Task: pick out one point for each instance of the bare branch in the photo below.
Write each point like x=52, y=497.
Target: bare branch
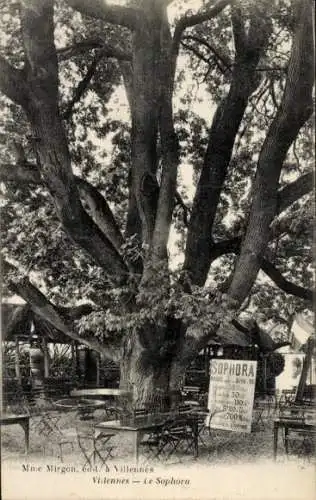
x=114, y=14
x=12, y=82
x=169, y=150
x=50, y=141
x=186, y=210
x=233, y=246
x=105, y=52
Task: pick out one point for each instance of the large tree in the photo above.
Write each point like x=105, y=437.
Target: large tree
x=115, y=228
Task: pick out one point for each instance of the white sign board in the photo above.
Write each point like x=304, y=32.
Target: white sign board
x=231, y=394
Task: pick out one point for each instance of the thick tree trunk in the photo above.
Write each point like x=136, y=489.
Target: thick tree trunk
x=152, y=375
x=145, y=112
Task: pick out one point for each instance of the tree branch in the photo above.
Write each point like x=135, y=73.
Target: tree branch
x=169, y=149
x=50, y=141
x=294, y=190
x=187, y=21
x=105, y=52
x=233, y=245
x=239, y=32
x=295, y=108
x=100, y=212
x=225, y=125
x=48, y=312
x=98, y=206
x=191, y=20
x=114, y=14
x=94, y=43
x=276, y=276
x=20, y=173
x=219, y=55
x=195, y=52
x=82, y=86
x=12, y=82
x=186, y=210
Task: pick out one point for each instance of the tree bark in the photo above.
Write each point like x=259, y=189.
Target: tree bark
x=41, y=69
x=145, y=112
x=169, y=148
x=124, y=16
x=152, y=376
x=223, y=132
x=295, y=109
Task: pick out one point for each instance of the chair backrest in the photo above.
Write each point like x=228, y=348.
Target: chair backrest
x=183, y=408
x=178, y=425
x=140, y=412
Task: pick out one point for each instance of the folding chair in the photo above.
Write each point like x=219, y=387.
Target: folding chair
x=55, y=437
x=258, y=416
x=177, y=433
x=202, y=428
x=94, y=446
x=152, y=444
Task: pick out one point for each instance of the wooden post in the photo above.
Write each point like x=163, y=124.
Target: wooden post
x=17, y=360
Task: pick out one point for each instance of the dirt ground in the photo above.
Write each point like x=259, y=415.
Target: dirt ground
x=220, y=451
x=217, y=446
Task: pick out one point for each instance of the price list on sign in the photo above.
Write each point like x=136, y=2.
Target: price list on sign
x=231, y=394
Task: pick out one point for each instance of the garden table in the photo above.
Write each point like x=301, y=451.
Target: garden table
x=98, y=392
x=84, y=407
x=23, y=421
x=290, y=424
x=137, y=427
x=104, y=393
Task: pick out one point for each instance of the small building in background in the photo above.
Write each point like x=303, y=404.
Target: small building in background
x=300, y=367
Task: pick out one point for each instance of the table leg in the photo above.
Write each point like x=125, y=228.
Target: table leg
x=26, y=427
x=196, y=438
x=136, y=441
x=286, y=439
x=275, y=439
